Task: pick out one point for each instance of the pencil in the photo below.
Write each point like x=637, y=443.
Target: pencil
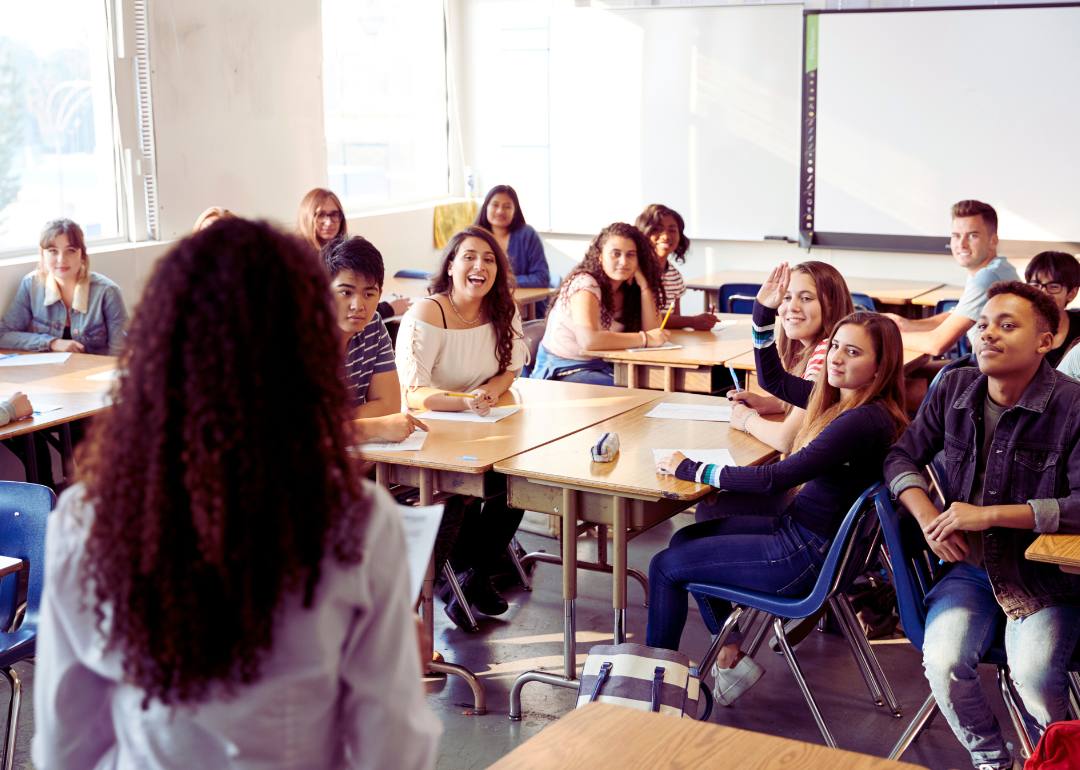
x=459, y=395
x=735, y=379
x=668, y=315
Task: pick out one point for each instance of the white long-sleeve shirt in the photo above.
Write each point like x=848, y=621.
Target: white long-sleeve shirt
x=339, y=689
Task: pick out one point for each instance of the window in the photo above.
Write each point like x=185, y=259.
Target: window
x=57, y=150
x=384, y=89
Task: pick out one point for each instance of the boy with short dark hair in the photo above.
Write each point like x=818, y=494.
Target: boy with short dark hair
x=1009, y=431
x=356, y=273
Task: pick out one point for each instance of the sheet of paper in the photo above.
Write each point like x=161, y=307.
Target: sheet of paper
x=421, y=526
x=665, y=346
x=497, y=413
x=33, y=359
x=668, y=411
x=725, y=324
x=714, y=456
x=411, y=444
x=112, y=374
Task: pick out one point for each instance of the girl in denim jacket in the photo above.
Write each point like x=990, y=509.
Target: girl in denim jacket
x=62, y=306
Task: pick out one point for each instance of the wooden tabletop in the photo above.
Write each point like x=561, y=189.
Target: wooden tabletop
x=913, y=359
x=549, y=410
x=931, y=298
x=1062, y=550
x=599, y=736
x=64, y=385
x=567, y=461
x=418, y=287
x=889, y=291
x=698, y=348
x=9, y=565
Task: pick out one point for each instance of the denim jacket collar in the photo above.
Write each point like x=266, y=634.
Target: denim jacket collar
x=1035, y=399
x=79, y=304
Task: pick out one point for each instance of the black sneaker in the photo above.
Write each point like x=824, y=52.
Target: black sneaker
x=457, y=614
x=483, y=596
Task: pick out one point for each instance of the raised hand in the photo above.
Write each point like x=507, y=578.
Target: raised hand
x=772, y=292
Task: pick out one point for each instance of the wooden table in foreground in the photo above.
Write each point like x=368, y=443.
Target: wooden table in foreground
x=549, y=410
x=63, y=385
x=696, y=367
x=627, y=495
x=887, y=291
x=599, y=736
x=1062, y=550
x=417, y=287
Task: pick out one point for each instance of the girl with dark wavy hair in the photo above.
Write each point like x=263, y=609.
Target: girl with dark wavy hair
x=613, y=300
x=466, y=338
x=501, y=214
x=220, y=590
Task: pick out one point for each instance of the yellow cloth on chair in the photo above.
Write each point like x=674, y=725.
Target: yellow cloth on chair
x=451, y=218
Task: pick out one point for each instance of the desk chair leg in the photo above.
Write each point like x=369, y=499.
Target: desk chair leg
x=13, y=715
x=31, y=458
x=921, y=720
x=512, y=549
x=778, y=629
x=1013, y=708
x=1074, y=694
x=759, y=637
x=455, y=588
x=601, y=544
x=618, y=594
x=67, y=454
x=864, y=654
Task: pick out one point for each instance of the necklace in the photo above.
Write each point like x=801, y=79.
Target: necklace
x=450, y=296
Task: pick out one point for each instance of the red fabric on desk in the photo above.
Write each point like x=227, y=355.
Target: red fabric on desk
x=1059, y=748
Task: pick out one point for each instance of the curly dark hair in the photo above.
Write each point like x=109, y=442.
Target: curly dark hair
x=498, y=303
x=516, y=222
x=210, y=508
x=592, y=265
x=1046, y=313
x=649, y=219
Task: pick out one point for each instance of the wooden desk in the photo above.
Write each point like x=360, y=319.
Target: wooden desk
x=697, y=367
x=9, y=565
x=913, y=359
x=418, y=287
x=627, y=495
x=63, y=385
x=599, y=736
x=1062, y=550
x=931, y=298
x=549, y=410
x=888, y=291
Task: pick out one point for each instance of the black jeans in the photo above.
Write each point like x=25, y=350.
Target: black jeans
x=475, y=534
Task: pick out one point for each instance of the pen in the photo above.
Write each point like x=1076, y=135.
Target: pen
x=468, y=457
x=734, y=378
x=9, y=355
x=668, y=315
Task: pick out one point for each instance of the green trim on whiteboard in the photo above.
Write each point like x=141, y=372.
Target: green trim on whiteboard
x=811, y=42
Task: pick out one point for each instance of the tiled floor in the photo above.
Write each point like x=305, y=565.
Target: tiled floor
x=529, y=636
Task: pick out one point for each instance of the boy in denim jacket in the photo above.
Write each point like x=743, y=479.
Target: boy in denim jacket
x=1008, y=435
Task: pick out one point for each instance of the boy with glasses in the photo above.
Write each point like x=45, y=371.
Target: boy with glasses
x=1058, y=274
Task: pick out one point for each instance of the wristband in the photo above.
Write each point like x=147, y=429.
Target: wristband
x=644, y=339
x=744, y=419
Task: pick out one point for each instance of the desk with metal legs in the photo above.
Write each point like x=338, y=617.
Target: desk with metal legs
x=627, y=495
x=549, y=410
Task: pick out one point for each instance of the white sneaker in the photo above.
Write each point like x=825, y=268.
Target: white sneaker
x=1016, y=765
x=730, y=683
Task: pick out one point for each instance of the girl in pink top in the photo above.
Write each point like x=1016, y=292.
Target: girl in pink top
x=613, y=300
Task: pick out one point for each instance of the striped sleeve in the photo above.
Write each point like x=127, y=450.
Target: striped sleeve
x=764, y=326
x=817, y=360
x=674, y=285
x=377, y=341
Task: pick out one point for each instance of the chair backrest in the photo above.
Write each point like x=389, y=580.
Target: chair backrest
x=863, y=302
x=554, y=280
x=913, y=564
x=534, y=332
x=850, y=549
x=413, y=274
x=965, y=360
x=963, y=345
x=24, y=515
x=738, y=297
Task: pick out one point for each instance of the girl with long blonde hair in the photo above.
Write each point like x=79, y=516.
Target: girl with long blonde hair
x=853, y=415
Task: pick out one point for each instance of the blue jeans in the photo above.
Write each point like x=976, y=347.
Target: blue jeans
x=963, y=619
x=549, y=366
x=733, y=551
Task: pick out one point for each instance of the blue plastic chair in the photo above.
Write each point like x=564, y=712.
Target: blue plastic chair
x=424, y=274
x=848, y=554
x=534, y=333
x=863, y=302
x=963, y=345
x=24, y=514
x=914, y=569
x=738, y=297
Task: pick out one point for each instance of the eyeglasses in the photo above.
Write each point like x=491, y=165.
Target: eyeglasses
x=1050, y=288
x=333, y=216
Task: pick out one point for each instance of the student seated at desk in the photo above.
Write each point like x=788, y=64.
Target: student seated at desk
x=613, y=300
x=810, y=300
x=15, y=407
x=355, y=268
x=1058, y=274
x=1010, y=430
x=62, y=306
x=501, y=214
x=221, y=590
x=853, y=416
x=466, y=338
x=664, y=227
x=321, y=218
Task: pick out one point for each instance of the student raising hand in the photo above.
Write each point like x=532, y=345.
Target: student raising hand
x=772, y=292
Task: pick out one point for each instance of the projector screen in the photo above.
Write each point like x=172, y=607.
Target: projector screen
x=916, y=110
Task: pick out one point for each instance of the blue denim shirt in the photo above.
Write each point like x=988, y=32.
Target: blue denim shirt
x=1033, y=460
x=30, y=324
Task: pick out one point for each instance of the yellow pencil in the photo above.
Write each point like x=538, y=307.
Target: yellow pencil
x=460, y=395
x=668, y=315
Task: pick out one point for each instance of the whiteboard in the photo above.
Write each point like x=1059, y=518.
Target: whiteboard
x=920, y=109
x=696, y=108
